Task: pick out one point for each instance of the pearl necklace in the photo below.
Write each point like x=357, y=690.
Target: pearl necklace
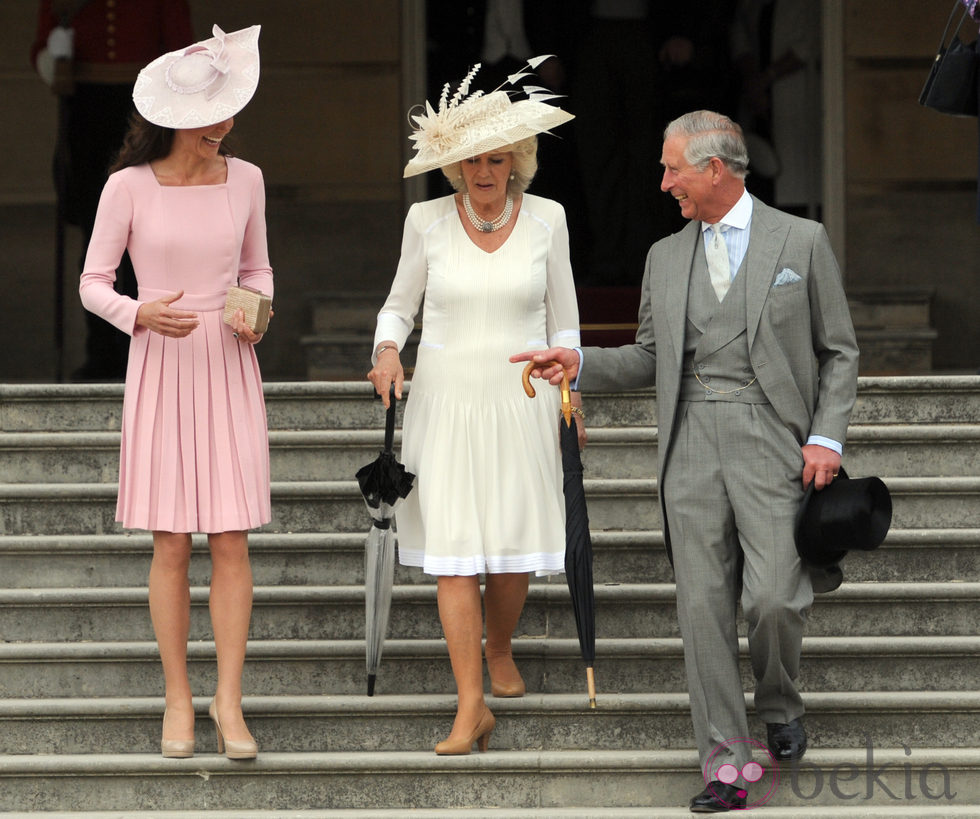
x=486, y=225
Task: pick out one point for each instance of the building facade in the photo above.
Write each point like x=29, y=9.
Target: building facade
x=328, y=126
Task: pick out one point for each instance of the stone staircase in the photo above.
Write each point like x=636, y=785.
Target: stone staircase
x=891, y=669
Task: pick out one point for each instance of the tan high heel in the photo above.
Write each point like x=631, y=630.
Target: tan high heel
x=505, y=679
x=232, y=748
x=481, y=736
x=176, y=748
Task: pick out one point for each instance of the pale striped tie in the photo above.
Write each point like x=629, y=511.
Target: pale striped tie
x=719, y=268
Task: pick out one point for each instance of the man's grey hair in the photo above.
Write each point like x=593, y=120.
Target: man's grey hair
x=710, y=134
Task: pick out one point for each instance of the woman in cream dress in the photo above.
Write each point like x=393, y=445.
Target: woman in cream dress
x=493, y=267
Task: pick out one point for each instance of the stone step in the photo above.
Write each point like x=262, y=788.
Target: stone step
x=923, y=399
x=297, y=506
x=278, y=559
x=42, y=407
x=552, y=722
x=628, y=452
x=867, y=688
x=93, y=457
x=314, y=558
x=322, y=405
x=843, y=810
x=112, y=560
x=511, y=779
x=337, y=612
x=627, y=666
x=919, y=555
x=302, y=405
x=908, y=450
x=889, y=350
x=933, y=502
x=337, y=506
x=98, y=407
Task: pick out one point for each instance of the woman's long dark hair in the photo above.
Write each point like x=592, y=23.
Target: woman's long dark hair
x=145, y=142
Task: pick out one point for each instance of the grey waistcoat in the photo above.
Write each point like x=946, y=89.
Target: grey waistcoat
x=716, y=342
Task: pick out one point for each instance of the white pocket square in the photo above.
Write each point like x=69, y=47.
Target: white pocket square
x=786, y=276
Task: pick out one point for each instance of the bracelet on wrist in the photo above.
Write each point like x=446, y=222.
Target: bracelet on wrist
x=580, y=412
x=384, y=347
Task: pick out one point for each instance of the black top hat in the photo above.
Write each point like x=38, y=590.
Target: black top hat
x=847, y=514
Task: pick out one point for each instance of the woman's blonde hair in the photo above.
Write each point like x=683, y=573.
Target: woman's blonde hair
x=524, y=155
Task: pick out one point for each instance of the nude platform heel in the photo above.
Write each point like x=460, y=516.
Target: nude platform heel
x=232, y=748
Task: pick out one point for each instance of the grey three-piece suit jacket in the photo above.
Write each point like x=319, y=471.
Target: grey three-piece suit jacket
x=800, y=336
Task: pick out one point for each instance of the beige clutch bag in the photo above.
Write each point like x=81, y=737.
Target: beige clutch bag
x=254, y=303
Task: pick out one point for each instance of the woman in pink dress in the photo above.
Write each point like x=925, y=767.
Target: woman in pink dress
x=195, y=454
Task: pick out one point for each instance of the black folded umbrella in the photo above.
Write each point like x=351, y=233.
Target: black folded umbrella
x=578, y=541
x=384, y=482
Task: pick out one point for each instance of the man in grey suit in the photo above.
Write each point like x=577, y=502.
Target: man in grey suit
x=745, y=330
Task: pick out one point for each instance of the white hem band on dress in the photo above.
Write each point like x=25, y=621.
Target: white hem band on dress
x=541, y=563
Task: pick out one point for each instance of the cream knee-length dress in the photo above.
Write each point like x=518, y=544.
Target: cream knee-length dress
x=488, y=488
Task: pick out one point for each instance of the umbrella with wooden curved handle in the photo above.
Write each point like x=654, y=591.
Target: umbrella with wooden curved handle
x=566, y=393
x=578, y=541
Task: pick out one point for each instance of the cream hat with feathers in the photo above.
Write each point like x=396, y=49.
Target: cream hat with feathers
x=468, y=125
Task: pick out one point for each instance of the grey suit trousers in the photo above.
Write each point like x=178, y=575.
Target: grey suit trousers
x=732, y=487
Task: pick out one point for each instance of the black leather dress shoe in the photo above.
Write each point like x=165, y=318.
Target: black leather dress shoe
x=786, y=741
x=717, y=798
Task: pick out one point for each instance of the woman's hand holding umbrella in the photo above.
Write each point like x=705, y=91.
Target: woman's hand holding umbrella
x=387, y=372
x=384, y=482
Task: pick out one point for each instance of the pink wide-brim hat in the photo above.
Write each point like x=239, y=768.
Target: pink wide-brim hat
x=203, y=84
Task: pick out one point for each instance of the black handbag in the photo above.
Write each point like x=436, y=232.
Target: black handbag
x=951, y=87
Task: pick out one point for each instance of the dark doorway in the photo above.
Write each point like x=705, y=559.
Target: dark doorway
x=626, y=68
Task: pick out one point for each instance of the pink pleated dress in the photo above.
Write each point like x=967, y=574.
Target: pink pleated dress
x=195, y=441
